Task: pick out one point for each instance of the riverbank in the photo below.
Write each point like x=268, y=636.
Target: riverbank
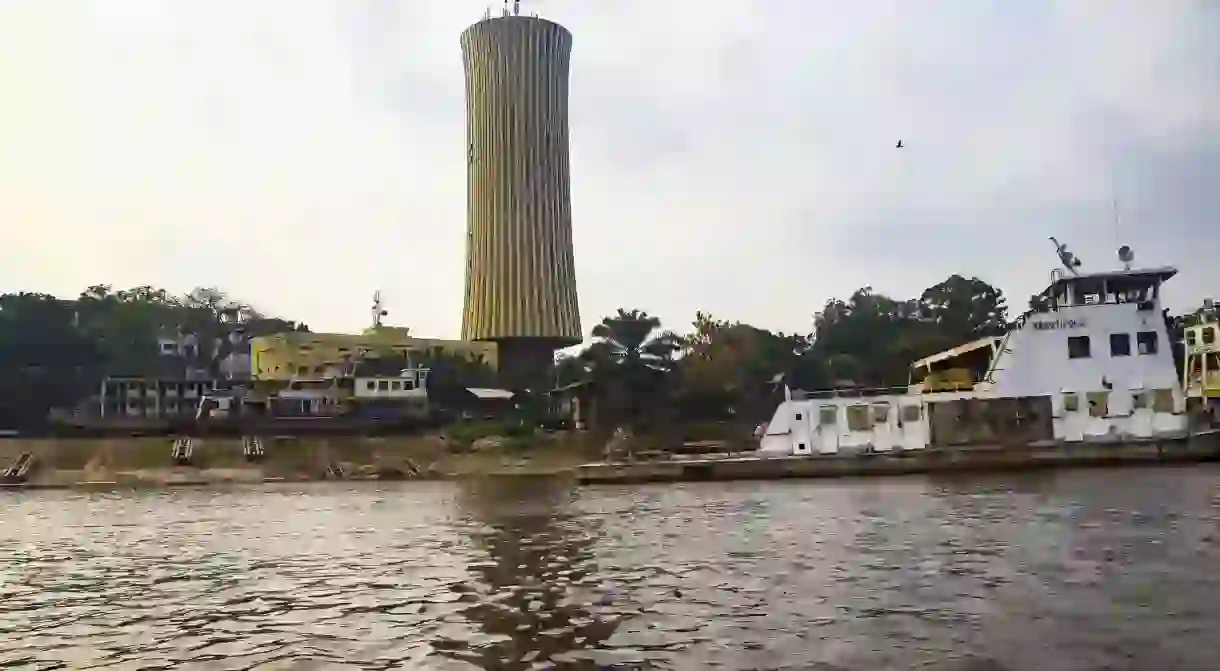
x=148, y=462
x=1197, y=448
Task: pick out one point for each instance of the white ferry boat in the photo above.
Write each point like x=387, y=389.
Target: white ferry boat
x=1092, y=362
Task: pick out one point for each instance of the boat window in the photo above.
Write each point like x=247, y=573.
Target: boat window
x=1209, y=335
x=383, y=385
x=394, y=386
x=910, y=413
x=881, y=413
x=1146, y=342
x=370, y=385
x=858, y=418
x=1078, y=347
x=1071, y=402
x=798, y=416
x=1120, y=344
x=828, y=415
x=1190, y=337
x=1089, y=292
x=1139, y=400
x=1162, y=400
x=408, y=385
x=1099, y=403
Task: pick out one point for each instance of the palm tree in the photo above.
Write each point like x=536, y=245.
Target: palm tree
x=631, y=361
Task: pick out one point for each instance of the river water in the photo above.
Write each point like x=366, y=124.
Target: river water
x=1083, y=570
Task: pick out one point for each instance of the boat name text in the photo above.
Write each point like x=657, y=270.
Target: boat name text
x=1059, y=324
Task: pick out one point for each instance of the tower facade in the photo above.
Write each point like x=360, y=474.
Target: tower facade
x=520, y=271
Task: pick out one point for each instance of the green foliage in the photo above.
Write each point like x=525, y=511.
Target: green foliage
x=631, y=362
x=463, y=434
x=54, y=352
x=451, y=370
x=723, y=369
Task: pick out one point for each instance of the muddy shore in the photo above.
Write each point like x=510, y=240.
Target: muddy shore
x=148, y=462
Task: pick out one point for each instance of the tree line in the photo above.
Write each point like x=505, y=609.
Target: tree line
x=642, y=373
x=54, y=352
x=722, y=369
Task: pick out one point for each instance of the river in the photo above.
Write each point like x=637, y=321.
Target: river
x=1077, y=570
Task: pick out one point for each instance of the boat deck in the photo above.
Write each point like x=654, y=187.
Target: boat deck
x=1198, y=447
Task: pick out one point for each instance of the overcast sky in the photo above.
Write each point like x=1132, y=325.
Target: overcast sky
x=733, y=157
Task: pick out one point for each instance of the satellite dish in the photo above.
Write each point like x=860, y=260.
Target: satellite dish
x=1126, y=256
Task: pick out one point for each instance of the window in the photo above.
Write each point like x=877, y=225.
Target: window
x=1190, y=338
x=383, y=385
x=1146, y=342
x=1209, y=335
x=408, y=384
x=395, y=385
x=858, y=418
x=827, y=415
x=1120, y=344
x=370, y=385
x=798, y=416
x=1078, y=347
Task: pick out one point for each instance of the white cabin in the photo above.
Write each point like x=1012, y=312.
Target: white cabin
x=1092, y=362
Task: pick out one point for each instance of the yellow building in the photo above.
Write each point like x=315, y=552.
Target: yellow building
x=284, y=357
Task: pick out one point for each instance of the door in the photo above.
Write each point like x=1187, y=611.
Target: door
x=884, y=434
x=802, y=437
x=1141, y=414
x=1072, y=415
x=828, y=431
x=913, y=435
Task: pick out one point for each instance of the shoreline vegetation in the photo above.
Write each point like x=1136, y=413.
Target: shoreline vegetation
x=660, y=388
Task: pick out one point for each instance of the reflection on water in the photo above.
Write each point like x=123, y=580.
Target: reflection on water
x=531, y=598
x=1085, y=570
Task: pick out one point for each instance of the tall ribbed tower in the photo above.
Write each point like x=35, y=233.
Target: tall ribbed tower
x=520, y=272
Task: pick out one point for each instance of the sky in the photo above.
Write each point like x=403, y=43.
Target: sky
x=736, y=157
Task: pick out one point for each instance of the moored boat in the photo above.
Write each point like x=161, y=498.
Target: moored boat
x=1090, y=364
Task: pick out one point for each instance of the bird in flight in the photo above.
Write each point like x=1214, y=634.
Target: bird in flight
x=899, y=145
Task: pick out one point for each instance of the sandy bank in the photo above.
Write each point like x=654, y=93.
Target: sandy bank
x=216, y=461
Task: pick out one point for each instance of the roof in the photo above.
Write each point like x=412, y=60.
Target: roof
x=491, y=394
x=1160, y=274
x=989, y=341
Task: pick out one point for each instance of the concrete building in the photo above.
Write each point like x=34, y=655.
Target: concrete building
x=293, y=356
x=520, y=273
x=149, y=398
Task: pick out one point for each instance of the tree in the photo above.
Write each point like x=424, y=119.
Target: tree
x=736, y=364
x=631, y=362
x=46, y=361
x=965, y=309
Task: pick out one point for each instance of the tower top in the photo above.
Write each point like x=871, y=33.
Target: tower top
x=505, y=11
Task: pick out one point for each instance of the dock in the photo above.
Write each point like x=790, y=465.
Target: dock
x=1187, y=449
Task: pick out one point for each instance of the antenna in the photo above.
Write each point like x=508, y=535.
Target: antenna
x=1068, y=259
x=378, y=311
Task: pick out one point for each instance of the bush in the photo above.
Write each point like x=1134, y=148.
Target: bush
x=464, y=433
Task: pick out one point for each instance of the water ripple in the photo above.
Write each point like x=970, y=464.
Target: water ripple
x=1089, y=570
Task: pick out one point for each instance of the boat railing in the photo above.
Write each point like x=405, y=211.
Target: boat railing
x=849, y=392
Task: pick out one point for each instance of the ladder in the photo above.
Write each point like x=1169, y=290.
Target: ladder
x=1003, y=348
